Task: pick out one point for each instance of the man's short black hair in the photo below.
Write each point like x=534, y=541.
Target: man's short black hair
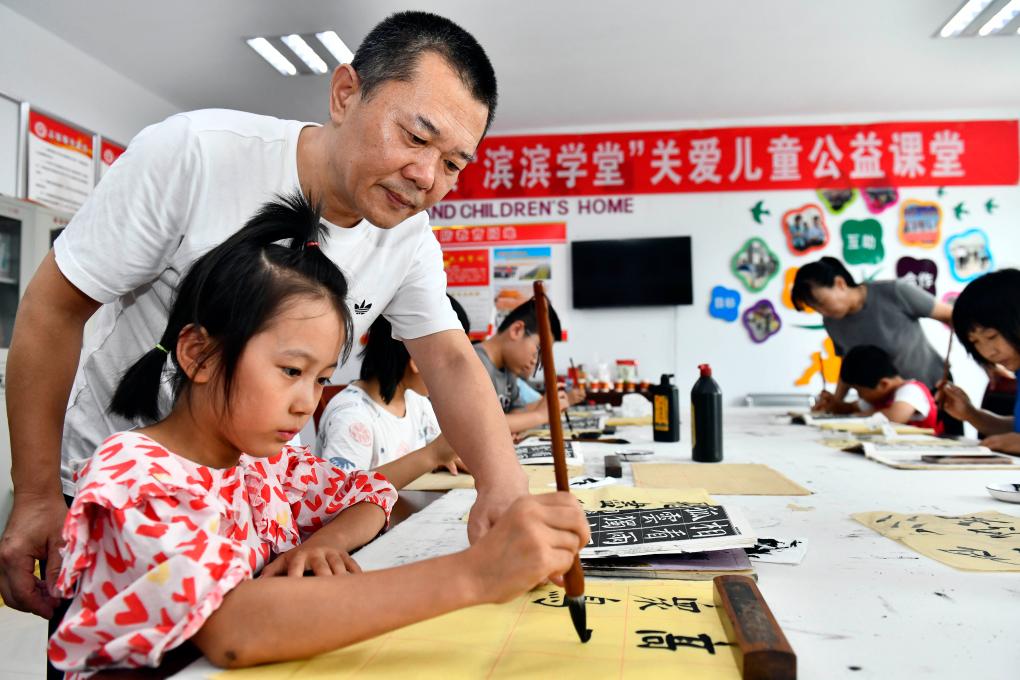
x=392, y=49
x=527, y=313
x=991, y=301
x=866, y=365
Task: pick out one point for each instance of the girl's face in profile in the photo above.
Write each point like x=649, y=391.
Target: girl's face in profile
x=994, y=347
x=280, y=375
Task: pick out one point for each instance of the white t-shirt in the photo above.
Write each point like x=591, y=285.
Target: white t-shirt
x=183, y=186
x=356, y=433
x=912, y=394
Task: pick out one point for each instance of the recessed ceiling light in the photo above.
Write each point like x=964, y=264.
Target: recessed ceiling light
x=272, y=55
x=1001, y=18
x=305, y=53
x=959, y=22
x=332, y=42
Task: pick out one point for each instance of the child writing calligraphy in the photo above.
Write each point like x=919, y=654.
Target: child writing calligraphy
x=384, y=420
x=172, y=521
x=986, y=319
x=870, y=371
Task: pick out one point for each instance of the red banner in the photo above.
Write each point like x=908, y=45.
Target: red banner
x=467, y=267
x=898, y=154
x=109, y=152
x=59, y=134
x=500, y=234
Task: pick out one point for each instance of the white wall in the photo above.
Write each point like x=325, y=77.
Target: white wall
x=677, y=339
x=38, y=67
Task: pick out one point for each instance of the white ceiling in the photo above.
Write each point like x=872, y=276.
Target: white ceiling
x=576, y=63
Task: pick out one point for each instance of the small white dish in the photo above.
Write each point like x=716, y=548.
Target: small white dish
x=635, y=454
x=1005, y=492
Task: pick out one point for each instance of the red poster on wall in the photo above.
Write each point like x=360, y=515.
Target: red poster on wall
x=500, y=234
x=466, y=267
x=61, y=172
x=980, y=152
x=108, y=153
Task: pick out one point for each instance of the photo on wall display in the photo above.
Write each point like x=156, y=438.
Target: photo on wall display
x=513, y=272
x=761, y=321
x=969, y=255
x=837, y=200
x=877, y=199
x=805, y=229
x=920, y=223
x=755, y=264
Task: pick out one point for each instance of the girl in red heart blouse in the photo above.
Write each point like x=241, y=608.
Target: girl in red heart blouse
x=172, y=521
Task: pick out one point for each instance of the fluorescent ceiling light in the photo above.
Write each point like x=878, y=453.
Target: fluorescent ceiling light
x=304, y=51
x=963, y=17
x=1001, y=18
x=272, y=55
x=332, y=42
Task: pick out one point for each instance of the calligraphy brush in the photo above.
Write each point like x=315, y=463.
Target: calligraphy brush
x=945, y=368
x=574, y=578
x=821, y=372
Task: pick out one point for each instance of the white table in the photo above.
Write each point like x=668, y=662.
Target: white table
x=859, y=605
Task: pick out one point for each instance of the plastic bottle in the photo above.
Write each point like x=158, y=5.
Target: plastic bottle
x=706, y=418
x=665, y=411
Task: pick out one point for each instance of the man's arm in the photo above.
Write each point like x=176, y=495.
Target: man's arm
x=472, y=420
x=40, y=370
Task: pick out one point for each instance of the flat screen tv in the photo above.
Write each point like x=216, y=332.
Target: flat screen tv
x=632, y=272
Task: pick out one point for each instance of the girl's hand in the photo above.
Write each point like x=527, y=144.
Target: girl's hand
x=321, y=560
x=1004, y=443
x=534, y=541
x=953, y=400
x=443, y=456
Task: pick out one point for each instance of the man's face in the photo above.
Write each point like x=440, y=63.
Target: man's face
x=400, y=151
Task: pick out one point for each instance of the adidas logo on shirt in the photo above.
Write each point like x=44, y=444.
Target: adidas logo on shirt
x=362, y=307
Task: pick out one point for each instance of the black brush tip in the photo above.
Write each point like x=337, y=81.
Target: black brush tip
x=579, y=616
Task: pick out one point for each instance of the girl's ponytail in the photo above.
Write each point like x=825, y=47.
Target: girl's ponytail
x=233, y=291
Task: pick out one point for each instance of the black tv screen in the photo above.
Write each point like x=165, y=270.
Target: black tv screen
x=632, y=272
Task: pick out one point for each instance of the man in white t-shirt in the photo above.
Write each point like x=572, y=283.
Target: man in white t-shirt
x=406, y=116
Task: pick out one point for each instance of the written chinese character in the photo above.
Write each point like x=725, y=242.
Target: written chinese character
x=686, y=604
x=744, y=164
x=499, y=169
x=665, y=161
x=946, y=147
x=555, y=599
x=866, y=155
x=660, y=639
x=607, y=158
x=908, y=154
x=569, y=161
x=536, y=166
x=826, y=156
x=785, y=152
x=705, y=156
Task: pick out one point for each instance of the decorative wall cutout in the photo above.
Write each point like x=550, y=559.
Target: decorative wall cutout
x=969, y=255
x=755, y=264
x=877, y=199
x=757, y=210
x=761, y=321
x=837, y=200
x=920, y=223
x=862, y=242
x=922, y=273
x=787, y=298
x=829, y=362
x=724, y=304
x=804, y=229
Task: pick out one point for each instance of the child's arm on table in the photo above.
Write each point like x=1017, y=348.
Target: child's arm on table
x=406, y=469
x=327, y=551
x=536, y=539
x=534, y=415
